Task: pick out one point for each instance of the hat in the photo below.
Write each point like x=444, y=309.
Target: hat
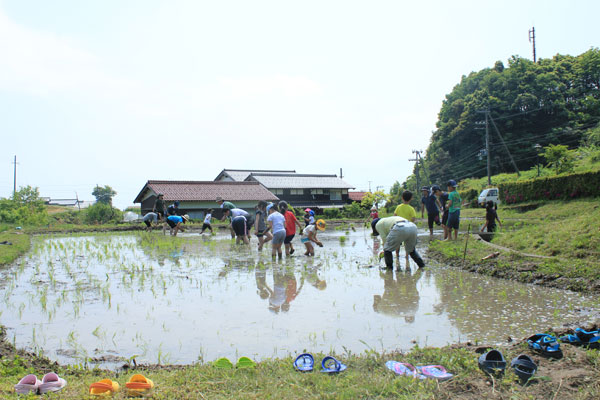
x=307, y=210
x=452, y=183
x=219, y=198
x=435, y=188
x=425, y=188
x=186, y=217
x=160, y=194
x=373, y=208
x=321, y=225
x=312, y=213
x=269, y=206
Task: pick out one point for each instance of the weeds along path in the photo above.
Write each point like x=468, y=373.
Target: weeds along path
x=498, y=247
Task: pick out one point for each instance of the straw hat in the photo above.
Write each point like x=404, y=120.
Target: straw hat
x=186, y=217
x=321, y=225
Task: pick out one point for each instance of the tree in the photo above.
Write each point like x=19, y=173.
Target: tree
x=27, y=195
x=374, y=199
x=559, y=158
x=104, y=194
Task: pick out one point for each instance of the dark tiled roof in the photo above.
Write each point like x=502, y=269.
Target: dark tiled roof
x=207, y=191
x=239, y=175
x=299, y=181
x=356, y=196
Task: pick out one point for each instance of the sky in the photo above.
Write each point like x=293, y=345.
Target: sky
x=120, y=92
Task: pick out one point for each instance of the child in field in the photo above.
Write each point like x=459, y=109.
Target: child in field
x=206, y=224
x=491, y=216
x=374, y=214
x=310, y=236
x=431, y=203
x=442, y=199
x=241, y=223
x=260, y=226
x=290, y=227
x=277, y=226
x=309, y=217
x=149, y=219
x=406, y=211
x=454, y=203
x=176, y=223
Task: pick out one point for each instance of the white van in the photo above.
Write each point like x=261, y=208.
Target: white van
x=487, y=195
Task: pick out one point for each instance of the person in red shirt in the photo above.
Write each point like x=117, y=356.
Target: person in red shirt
x=290, y=227
x=374, y=213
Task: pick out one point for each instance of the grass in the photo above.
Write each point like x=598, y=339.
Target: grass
x=566, y=231
x=9, y=253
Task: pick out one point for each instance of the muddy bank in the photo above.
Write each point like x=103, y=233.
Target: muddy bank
x=509, y=266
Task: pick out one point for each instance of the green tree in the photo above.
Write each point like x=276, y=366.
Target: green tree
x=559, y=158
x=104, y=194
x=374, y=199
x=102, y=213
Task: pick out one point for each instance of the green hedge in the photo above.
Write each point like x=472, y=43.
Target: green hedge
x=551, y=188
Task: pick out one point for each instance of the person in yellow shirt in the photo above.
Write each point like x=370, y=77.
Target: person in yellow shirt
x=406, y=211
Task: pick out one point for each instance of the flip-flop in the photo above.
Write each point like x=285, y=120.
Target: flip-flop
x=435, y=372
x=51, y=383
x=105, y=387
x=304, y=362
x=404, y=369
x=28, y=384
x=545, y=344
x=330, y=365
x=583, y=337
x=245, y=362
x=139, y=386
x=223, y=363
x=492, y=362
x=523, y=366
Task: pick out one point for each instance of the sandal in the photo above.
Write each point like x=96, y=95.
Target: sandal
x=331, y=365
x=404, y=369
x=492, y=362
x=304, y=362
x=523, y=366
x=105, y=387
x=545, y=344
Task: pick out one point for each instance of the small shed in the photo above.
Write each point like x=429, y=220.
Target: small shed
x=196, y=197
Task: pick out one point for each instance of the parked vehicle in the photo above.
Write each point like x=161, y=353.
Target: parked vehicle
x=487, y=195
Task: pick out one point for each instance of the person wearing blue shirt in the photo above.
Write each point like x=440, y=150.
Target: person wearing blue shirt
x=176, y=222
x=431, y=203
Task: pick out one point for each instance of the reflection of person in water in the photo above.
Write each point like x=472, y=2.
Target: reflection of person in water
x=285, y=290
x=263, y=290
x=291, y=290
x=312, y=275
x=400, y=296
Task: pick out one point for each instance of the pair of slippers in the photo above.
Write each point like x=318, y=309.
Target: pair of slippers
x=581, y=337
x=493, y=363
x=51, y=382
x=545, y=344
x=306, y=362
x=243, y=362
x=419, y=372
x=137, y=386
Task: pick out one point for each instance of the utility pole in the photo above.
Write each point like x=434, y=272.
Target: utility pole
x=15, y=178
x=487, y=145
x=416, y=153
x=532, y=40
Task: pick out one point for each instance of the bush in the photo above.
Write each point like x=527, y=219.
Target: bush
x=551, y=188
x=102, y=213
x=354, y=210
x=331, y=213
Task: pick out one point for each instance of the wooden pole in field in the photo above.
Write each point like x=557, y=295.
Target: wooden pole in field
x=467, y=242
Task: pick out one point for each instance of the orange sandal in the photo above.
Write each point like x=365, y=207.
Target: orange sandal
x=139, y=386
x=105, y=387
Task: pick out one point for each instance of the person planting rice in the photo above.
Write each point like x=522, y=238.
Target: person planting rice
x=491, y=216
x=176, y=223
x=241, y=223
x=310, y=236
x=406, y=211
x=277, y=226
x=394, y=231
x=260, y=226
x=150, y=219
x=226, y=205
x=290, y=227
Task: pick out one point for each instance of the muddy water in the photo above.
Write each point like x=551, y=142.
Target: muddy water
x=192, y=298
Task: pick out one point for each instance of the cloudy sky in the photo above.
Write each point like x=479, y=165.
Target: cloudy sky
x=116, y=92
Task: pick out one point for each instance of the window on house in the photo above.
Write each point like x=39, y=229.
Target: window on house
x=316, y=191
x=344, y=191
x=277, y=192
x=297, y=192
x=335, y=194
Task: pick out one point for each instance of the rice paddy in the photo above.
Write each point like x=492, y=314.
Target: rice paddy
x=106, y=299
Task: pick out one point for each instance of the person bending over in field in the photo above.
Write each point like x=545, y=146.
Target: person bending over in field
x=176, y=223
x=150, y=219
x=309, y=236
x=241, y=223
x=394, y=231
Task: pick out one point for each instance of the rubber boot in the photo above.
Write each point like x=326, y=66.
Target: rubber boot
x=416, y=258
x=389, y=259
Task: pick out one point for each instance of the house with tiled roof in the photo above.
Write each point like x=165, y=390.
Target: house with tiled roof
x=356, y=196
x=316, y=191
x=240, y=175
x=196, y=197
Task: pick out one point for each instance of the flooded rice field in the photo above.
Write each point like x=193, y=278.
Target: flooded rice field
x=100, y=299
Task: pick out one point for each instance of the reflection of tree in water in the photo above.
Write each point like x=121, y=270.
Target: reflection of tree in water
x=400, y=296
x=480, y=307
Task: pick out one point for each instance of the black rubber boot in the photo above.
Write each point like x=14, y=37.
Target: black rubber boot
x=389, y=259
x=416, y=258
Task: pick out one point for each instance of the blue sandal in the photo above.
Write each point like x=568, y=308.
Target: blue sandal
x=331, y=365
x=304, y=362
x=545, y=344
x=583, y=338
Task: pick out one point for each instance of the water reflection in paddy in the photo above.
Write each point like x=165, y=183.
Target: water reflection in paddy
x=190, y=298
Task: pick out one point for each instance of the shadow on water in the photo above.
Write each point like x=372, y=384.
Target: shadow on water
x=160, y=299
